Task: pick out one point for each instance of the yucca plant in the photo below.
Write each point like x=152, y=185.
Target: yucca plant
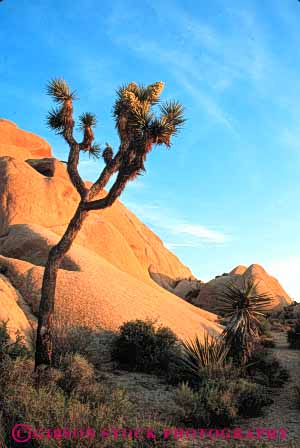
x=242, y=306
x=139, y=129
x=206, y=357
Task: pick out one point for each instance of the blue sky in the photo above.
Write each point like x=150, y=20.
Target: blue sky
x=228, y=191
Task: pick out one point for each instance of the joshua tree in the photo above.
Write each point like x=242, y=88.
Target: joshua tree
x=242, y=307
x=139, y=130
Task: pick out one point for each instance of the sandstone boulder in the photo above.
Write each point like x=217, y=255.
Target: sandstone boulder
x=105, y=297
x=49, y=167
x=14, y=311
x=21, y=144
x=209, y=295
x=28, y=197
x=186, y=288
x=115, y=233
x=107, y=276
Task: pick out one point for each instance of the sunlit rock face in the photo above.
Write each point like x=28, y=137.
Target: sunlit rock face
x=117, y=265
x=21, y=144
x=209, y=294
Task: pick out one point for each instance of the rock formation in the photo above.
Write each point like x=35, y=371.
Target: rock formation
x=107, y=276
x=209, y=294
x=21, y=144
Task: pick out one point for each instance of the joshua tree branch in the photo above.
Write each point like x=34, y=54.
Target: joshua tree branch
x=72, y=168
x=110, y=169
x=112, y=195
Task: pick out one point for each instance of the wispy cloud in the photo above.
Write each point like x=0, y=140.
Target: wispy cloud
x=201, y=232
x=178, y=231
x=206, y=60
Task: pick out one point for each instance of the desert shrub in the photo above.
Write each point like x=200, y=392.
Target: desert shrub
x=267, y=342
x=13, y=349
x=66, y=396
x=141, y=347
x=92, y=405
x=265, y=327
x=279, y=326
x=47, y=405
x=94, y=345
x=219, y=402
x=251, y=398
x=265, y=369
x=77, y=373
x=212, y=405
x=293, y=335
x=266, y=339
x=178, y=373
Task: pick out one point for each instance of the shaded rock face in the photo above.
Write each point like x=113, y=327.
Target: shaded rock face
x=208, y=297
x=49, y=167
x=107, y=276
x=15, y=311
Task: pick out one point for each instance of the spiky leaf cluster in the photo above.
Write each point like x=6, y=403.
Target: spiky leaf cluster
x=136, y=121
x=172, y=115
x=242, y=307
x=55, y=120
x=61, y=118
x=87, y=120
x=209, y=354
x=60, y=91
x=95, y=151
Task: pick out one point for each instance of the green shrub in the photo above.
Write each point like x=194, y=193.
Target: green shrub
x=93, y=405
x=10, y=348
x=251, y=398
x=141, y=347
x=77, y=372
x=178, y=373
x=44, y=404
x=265, y=327
x=219, y=402
x=94, y=345
x=265, y=369
x=293, y=336
x=212, y=405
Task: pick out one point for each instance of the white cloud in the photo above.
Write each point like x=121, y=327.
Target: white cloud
x=287, y=271
x=187, y=234
x=175, y=245
x=201, y=232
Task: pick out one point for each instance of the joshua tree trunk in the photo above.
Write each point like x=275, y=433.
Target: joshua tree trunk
x=43, y=354
x=138, y=130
